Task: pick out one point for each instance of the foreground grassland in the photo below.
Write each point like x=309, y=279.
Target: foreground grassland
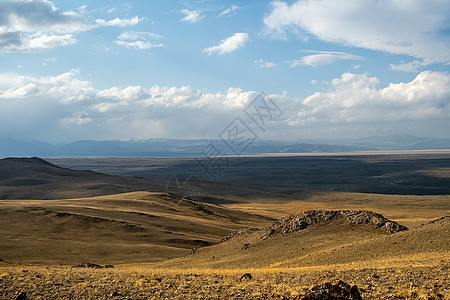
x=420, y=277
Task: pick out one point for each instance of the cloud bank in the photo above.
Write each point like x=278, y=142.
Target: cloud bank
x=66, y=108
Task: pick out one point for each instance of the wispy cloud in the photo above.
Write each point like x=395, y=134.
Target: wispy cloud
x=119, y=22
x=138, y=40
x=191, y=16
x=230, y=44
x=228, y=10
x=265, y=64
x=140, y=45
x=412, y=66
x=323, y=58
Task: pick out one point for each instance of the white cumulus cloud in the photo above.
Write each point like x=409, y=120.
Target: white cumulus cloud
x=229, y=44
x=412, y=66
x=355, y=98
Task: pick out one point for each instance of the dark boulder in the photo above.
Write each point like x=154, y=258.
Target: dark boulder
x=339, y=291
x=21, y=296
x=246, y=276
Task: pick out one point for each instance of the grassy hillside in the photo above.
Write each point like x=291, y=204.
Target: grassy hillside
x=131, y=227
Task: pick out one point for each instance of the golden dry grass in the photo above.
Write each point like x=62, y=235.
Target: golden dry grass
x=388, y=279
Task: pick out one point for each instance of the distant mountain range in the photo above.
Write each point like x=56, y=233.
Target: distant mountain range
x=198, y=148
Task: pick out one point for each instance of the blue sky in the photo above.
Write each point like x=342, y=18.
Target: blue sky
x=104, y=70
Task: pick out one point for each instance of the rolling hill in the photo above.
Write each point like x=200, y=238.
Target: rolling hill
x=324, y=238
x=35, y=178
x=137, y=226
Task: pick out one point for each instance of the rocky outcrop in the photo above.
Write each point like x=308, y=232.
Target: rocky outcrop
x=305, y=219
x=439, y=220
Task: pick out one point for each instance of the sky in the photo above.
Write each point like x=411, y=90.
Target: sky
x=114, y=70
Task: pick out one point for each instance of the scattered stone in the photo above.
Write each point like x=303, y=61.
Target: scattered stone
x=239, y=232
x=339, y=291
x=21, y=296
x=93, y=266
x=245, y=247
x=78, y=266
x=375, y=276
x=114, y=294
x=246, y=276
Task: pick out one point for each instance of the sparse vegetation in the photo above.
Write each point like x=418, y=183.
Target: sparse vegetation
x=142, y=282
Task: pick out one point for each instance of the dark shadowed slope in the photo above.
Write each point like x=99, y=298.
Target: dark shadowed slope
x=409, y=174
x=34, y=178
